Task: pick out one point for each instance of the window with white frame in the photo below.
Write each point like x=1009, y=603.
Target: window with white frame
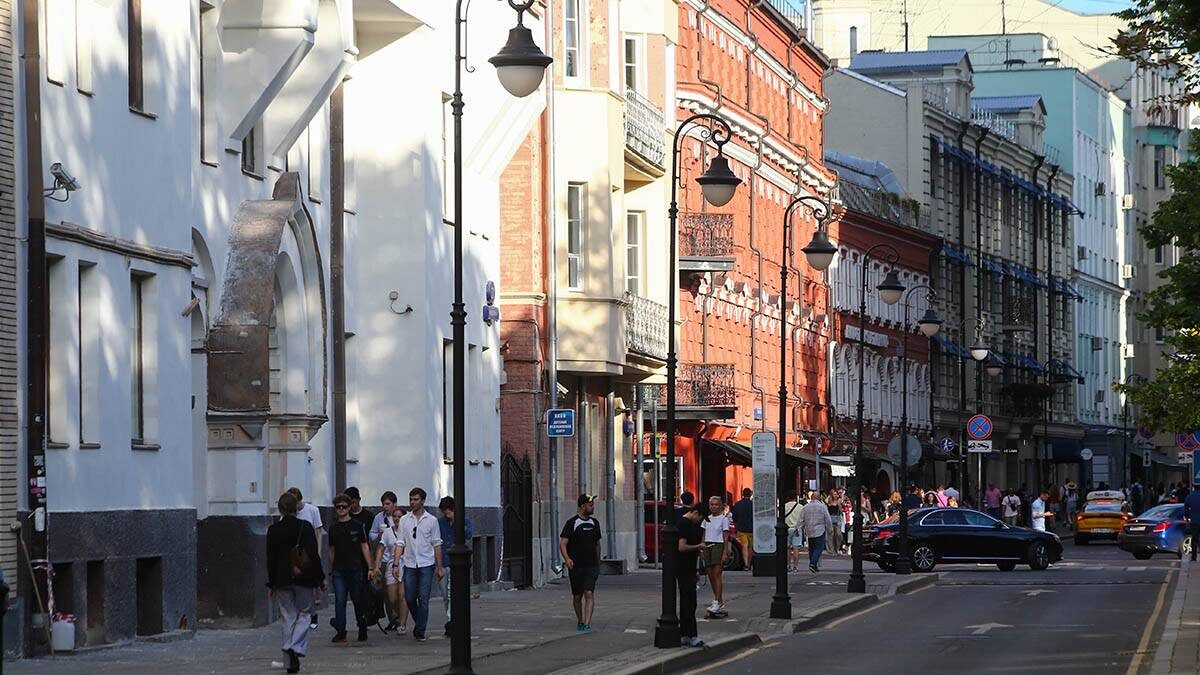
x=576, y=233
x=635, y=80
x=1160, y=164
x=634, y=231
x=573, y=20
x=142, y=361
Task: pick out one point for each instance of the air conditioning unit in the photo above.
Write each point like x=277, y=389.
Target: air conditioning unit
x=1081, y=252
x=1127, y=202
x=1100, y=396
x=1127, y=351
x=1097, y=343
x=1128, y=271
x=1100, y=190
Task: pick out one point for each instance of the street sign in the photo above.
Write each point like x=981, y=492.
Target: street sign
x=1184, y=457
x=1085, y=454
x=979, y=447
x=914, y=450
x=1196, y=474
x=979, y=427
x=1186, y=442
x=947, y=444
x=1011, y=451
x=560, y=423
x=763, y=452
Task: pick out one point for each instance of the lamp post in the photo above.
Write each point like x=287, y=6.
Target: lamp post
x=890, y=290
x=520, y=65
x=979, y=352
x=718, y=184
x=929, y=324
x=820, y=252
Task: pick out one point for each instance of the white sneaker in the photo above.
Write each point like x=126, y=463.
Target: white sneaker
x=714, y=607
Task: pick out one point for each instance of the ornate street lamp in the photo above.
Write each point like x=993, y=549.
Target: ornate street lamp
x=820, y=254
x=929, y=324
x=520, y=66
x=717, y=184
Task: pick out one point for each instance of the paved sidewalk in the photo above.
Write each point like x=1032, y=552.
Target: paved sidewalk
x=519, y=631
x=1179, y=648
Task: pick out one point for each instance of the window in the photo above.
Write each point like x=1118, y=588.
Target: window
x=89, y=354
x=251, y=148
x=576, y=208
x=1159, y=334
x=84, y=23
x=60, y=352
x=572, y=33
x=208, y=69
x=979, y=519
x=633, y=64
x=137, y=369
x=1160, y=163
x=1158, y=254
x=448, y=215
x=137, y=93
x=447, y=400
x=633, y=252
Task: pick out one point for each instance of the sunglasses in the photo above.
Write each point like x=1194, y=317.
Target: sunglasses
x=341, y=506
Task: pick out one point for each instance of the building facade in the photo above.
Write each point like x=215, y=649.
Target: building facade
x=979, y=170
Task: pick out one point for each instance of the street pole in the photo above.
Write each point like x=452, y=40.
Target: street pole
x=929, y=325
x=858, y=581
x=639, y=462
x=718, y=184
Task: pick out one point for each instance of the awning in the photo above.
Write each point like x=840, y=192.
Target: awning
x=949, y=346
x=732, y=450
x=1026, y=362
x=995, y=359
x=1061, y=287
x=1063, y=371
x=1025, y=276
x=956, y=256
x=996, y=267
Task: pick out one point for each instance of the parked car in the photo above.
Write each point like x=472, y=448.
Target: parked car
x=955, y=535
x=654, y=528
x=1101, y=519
x=1160, y=529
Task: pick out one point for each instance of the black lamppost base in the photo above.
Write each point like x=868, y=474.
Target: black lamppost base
x=781, y=607
x=857, y=584
x=666, y=634
x=903, y=565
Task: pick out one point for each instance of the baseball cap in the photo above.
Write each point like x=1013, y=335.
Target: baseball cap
x=352, y=493
x=585, y=498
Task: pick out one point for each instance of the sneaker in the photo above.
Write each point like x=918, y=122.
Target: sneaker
x=578, y=627
x=447, y=629
x=714, y=606
x=587, y=628
x=339, y=639
x=312, y=624
x=419, y=636
x=812, y=568
x=402, y=629
x=721, y=608
x=694, y=642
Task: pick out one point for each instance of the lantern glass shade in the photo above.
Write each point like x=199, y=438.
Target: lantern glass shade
x=929, y=324
x=820, y=251
x=979, y=351
x=718, y=183
x=994, y=369
x=890, y=289
x=520, y=64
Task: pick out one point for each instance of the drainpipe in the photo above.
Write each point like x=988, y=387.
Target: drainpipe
x=1048, y=405
x=1037, y=226
x=551, y=230
x=337, y=290
x=754, y=178
x=37, y=308
x=983, y=132
x=610, y=458
x=962, y=284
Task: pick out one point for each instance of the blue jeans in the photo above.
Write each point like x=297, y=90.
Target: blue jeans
x=347, y=582
x=418, y=583
x=816, y=546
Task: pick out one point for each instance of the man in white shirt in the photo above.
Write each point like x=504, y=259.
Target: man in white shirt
x=421, y=554
x=388, y=501
x=816, y=522
x=1038, y=513
x=312, y=514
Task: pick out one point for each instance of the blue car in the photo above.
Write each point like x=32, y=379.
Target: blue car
x=1158, y=530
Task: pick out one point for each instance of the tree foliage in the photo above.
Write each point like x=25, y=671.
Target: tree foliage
x=1171, y=400
x=1164, y=34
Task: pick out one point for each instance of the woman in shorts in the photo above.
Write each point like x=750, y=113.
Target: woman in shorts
x=387, y=561
x=716, y=550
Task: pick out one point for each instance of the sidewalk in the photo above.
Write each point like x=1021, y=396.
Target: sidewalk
x=1179, y=648
x=518, y=631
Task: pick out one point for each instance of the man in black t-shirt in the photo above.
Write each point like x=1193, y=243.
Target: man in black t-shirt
x=349, y=560
x=691, y=538
x=579, y=544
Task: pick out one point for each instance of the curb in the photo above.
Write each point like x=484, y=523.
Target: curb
x=676, y=659
x=1162, y=658
x=915, y=583
x=843, y=607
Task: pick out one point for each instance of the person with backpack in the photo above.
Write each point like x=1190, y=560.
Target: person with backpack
x=791, y=518
x=1012, y=507
x=293, y=572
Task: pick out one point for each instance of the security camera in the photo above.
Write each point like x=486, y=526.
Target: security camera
x=65, y=180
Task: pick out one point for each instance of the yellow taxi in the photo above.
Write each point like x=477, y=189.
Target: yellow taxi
x=1102, y=516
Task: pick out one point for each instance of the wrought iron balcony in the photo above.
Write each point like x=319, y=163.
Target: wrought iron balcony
x=881, y=204
x=706, y=385
x=792, y=10
x=645, y=327
x=645, y=131
x=706, y=242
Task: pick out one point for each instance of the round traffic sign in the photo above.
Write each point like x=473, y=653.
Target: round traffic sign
x=1085, y=454
x=1186, y=442
x=979, y=427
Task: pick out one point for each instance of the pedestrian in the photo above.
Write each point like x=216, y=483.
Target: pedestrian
x=942, y=497
x=791, y=518
x=1012, y=507
x=816, y=522
x=421, y=546
x=579, y=544
x=686, y=498
x=992, y=499
x=912, y=500
x=891, y=510
x=312, y=515
x=833, y=540
x=1191, y=515
x=743, y=521
x=387, y=562
x=1072, y=500
x=952, y=503
x=951, y=493
x=1137, y=497
x=357, y=512
x=382, y=519
x=691, y=543
x=446, y=526
x=847, y=521
x=1039, y=513
x=294, y=572
x=349, y=562
x=930, y=500
x=716, y=551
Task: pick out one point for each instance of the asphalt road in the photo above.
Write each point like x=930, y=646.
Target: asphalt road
x=1087, y=614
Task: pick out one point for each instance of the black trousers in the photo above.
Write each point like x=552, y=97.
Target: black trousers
x=1195, y=534
x=685, y=578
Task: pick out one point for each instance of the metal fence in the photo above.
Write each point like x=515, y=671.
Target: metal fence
x=645, y=128
x=881, y=204
x=704, y=385
x=645, y=327
x=706, y=235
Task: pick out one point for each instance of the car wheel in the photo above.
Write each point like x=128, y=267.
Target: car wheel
x=735, y=559
x=1007, y=566
x=886, y=566
x=1081, y=540
x=923, y=558
x=1143, y=555
x=1039, y=557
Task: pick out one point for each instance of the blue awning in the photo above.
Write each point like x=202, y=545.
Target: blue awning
x=1027, y=362
x=996, y=267
x=988, y=167
x=1061, y=287
x=995, y=359
x=1064, y=371
x=1025, y=276
x=956, y=256
x=949, y=346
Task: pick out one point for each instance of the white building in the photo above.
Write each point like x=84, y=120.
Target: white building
x=226, y=181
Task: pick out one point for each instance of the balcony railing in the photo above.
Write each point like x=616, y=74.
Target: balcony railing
x=645, y=327
x=881, y=204
x=645, y=129
x=706, y=235
x=998, y=125
x=704, y=385
x=936, y=95
x=792, y=10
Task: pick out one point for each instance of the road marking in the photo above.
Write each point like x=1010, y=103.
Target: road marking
x=1136, y=661
x=1138, y=568
x=984, y=628
x=1037, y=592
x=505, y=630
x=639, y=631
x=736, y=657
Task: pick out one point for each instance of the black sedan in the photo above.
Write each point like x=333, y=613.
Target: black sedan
x=951, y=535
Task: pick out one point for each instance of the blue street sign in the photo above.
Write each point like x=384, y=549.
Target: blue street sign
x=1195, y=474
x=979, y=427
x=947, y=444
x=560, y=423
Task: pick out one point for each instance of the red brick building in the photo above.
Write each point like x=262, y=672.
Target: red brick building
x=749, y=63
